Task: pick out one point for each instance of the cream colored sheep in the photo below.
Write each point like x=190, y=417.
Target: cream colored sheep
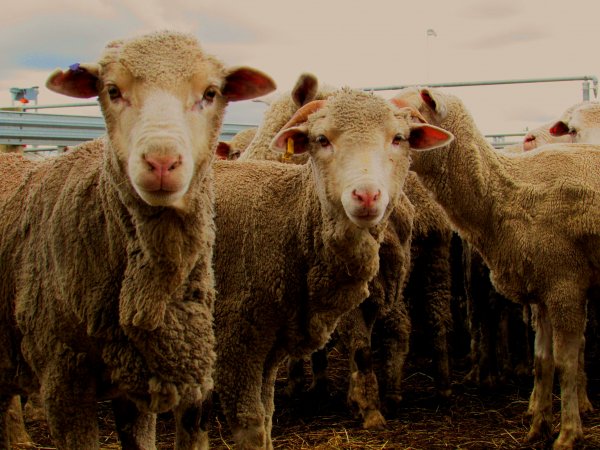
x=427, y=286
x=106, y=253
x=232, y=149
x=580, y=123
x=535, y=219
x=298, y=245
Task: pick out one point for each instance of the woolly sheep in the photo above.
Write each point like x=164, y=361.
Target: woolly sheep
x=233, y=149
x=544, y=134
x=580, y=123
x=297, y=245
x=527, y=215
x=106, y=252
x=428, y=288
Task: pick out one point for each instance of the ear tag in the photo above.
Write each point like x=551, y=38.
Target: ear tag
x=287, y=156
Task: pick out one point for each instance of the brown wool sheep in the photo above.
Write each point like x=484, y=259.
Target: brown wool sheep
x=298, y=245
x=106, y=251
x=535, y=219
x=427, y=291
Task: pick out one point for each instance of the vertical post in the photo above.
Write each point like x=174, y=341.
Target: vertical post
x=586, y=90
x=430, y=32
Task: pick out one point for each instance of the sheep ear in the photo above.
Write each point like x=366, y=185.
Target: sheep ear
x=291, y=141
x=223, y=150
x=80, y=81
x=245, y=83
x=306, y=89
x=559, y=129
x=427, y=137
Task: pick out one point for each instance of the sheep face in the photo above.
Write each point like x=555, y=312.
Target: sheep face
x=359, y=149
x=580, y=125
x=163, y=100
x=163, y=136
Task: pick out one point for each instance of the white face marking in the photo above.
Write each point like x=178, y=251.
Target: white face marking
x=362, y=175
x=162, y=147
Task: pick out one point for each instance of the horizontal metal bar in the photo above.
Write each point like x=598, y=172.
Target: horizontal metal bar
x=66, y=105
x=26, y=128
x=487, y=83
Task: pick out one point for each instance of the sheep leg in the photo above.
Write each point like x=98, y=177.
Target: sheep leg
x=71, y=411
x=585, y=405
x=136, y=430
x=238, y=378
x=12, y=428
x=15, y=424
x=191, y=418
x=318, y=363
x=295, y=378
x=540, y=401
x=395, y=328
x=437, y=296
x=567, y=346
x=268, y=400
x=363, y=390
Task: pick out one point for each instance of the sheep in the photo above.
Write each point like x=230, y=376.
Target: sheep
x=106, y=252
x=527, y=215
x=233, y=149
x=554, y=132
x=580, y=123
x=490, y=362
x=298, y=245
x=428, y=288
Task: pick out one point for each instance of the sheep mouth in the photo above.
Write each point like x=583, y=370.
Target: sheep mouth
x=366, y=219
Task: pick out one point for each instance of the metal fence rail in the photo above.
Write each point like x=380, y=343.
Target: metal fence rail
x=54, y=130
x=585, y=85
x=57, y=130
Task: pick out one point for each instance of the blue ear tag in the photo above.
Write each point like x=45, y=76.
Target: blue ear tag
x=75, y=68
x=287, y=156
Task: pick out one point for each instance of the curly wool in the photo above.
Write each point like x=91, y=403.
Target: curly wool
x=56, y=264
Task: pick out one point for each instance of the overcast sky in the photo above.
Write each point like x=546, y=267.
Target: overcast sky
x=344, y=43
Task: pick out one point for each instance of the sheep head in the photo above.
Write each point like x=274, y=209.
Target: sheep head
x=359, y=147
x=163, y=99
x=580, y=123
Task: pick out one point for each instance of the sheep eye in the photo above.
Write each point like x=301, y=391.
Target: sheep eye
x=323, y=141
x=113, y=92
x=209, y=95
x=398, y=139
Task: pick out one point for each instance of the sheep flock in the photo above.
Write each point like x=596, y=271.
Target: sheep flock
x=189, y=289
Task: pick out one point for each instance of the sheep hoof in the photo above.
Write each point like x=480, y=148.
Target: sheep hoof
x=374, y=420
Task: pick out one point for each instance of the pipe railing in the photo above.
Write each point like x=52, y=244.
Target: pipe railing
x=584, y=78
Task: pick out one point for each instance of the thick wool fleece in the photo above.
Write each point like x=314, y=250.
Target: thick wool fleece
x=69, y=244
x=242, y=140
x=548, y=195
x=429, y=278
x=294, y=280
x=535, y=219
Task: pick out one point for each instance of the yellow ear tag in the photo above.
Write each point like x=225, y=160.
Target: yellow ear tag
x=287, y=156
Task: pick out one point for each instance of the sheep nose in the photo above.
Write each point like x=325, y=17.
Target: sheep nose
x=162, y=165
x=366, y=198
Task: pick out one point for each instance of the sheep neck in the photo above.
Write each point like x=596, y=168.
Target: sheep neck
x=468, y=177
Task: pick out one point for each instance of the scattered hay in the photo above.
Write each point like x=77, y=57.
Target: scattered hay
x=471, y=419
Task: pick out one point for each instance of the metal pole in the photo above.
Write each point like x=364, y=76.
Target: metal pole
x=493, y=82
x=586, y=90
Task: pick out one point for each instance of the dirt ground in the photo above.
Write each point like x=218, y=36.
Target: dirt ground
x=471, y=419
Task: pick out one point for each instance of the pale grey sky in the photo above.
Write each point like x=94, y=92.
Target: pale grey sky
x=357, y=44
